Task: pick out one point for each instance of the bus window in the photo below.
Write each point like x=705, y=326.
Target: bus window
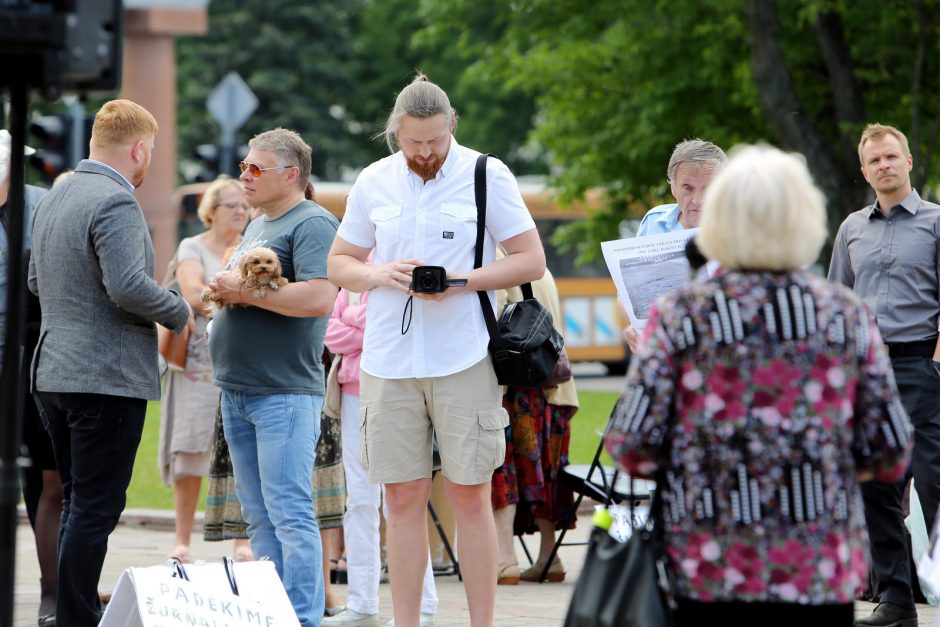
x=593, y=326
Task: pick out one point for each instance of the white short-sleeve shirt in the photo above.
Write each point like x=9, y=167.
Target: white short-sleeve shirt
x=393, y=211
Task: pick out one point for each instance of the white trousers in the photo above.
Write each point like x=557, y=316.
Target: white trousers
x=361, y=525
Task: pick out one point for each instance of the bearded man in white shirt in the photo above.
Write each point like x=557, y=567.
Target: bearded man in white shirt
x=425, y=365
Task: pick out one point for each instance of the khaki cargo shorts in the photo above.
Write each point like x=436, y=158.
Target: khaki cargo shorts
x=398, y=416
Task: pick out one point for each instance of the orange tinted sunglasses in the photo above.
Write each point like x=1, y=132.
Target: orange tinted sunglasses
x=256, y=169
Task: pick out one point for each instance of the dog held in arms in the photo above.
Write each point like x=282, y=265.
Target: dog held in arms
x=259, y=270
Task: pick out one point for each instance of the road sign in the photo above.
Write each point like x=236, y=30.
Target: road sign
x=231, y=102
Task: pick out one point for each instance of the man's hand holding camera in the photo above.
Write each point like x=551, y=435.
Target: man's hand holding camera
x=396, y=274
x=415, y=278
x=433, y=283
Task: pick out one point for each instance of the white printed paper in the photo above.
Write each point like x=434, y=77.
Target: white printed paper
x=643, y=268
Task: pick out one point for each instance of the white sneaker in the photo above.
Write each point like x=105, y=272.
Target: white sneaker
x=352, y=618
x=426, y=619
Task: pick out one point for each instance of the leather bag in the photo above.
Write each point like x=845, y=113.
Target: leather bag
x=173, y=347
x=624, y=584
x=561, y=373
x=524, y=344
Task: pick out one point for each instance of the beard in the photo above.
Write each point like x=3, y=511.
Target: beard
x=426, y=170
x=137, y=179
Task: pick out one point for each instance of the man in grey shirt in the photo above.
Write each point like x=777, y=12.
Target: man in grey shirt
x=888, y=254
x=266, y=358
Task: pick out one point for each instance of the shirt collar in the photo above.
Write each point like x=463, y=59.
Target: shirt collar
x=911, y=203
x=130, y=185
x=671, y=218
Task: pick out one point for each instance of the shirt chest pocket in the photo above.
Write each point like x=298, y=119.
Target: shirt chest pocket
x=387, y=221
x=458, y=222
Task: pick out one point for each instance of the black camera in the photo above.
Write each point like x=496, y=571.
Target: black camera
x=432, y=280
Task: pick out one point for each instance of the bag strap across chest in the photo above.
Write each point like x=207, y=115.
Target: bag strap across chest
x=479, y=184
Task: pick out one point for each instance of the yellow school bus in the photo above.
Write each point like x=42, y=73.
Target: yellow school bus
x=592, y=321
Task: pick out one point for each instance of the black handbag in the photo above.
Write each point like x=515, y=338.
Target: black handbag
x=625, y=584
x=524, y=344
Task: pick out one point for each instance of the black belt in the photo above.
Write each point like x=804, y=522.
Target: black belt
x=924, y=348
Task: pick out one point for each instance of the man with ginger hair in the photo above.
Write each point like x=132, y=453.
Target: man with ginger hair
x=95, y=366
x=888, y=254
x=432, y=375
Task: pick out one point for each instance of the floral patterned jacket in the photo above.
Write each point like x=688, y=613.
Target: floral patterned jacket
x=772, y=392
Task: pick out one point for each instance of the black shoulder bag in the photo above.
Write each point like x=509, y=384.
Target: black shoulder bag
x=524, y=344
x=627, y=584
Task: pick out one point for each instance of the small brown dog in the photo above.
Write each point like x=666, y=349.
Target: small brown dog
x=258, y=269
x=261, y=269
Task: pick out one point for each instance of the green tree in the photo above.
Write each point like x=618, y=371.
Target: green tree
x=619, y=82
x=390, y=46
x=294, y=56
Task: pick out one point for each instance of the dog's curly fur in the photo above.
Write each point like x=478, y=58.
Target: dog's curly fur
x=258, y=269
x=210, y=298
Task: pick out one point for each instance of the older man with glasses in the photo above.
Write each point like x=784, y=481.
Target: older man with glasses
x=266, y=358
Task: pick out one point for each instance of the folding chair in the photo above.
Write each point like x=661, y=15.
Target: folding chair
x=447, y=547
x=594, y=481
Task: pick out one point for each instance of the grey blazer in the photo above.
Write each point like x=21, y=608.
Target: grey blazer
x=92, y=267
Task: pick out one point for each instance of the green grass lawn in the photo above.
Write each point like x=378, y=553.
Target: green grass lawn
x=147, y=490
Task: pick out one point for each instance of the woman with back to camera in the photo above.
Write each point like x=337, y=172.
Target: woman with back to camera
x=772, y=393
x=525, y=492
x=190, y=400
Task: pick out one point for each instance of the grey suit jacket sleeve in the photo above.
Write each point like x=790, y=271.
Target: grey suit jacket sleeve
x=115, y=233
x=31, y=279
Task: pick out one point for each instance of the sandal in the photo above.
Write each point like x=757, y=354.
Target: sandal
x=46, y=620
x=507, y=575
x=555, y=574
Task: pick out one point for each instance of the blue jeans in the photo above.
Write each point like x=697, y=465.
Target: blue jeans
x=95, y=439
x=272, y=440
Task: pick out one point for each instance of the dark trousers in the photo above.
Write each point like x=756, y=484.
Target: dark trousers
x=919, y=386
x=95, y=439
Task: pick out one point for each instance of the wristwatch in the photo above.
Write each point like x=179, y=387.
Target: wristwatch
x=936, y=364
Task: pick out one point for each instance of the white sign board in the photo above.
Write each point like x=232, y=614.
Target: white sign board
x=153, y=597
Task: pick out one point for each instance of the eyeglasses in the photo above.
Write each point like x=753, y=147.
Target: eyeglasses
x=256, y=169
x=235, y=205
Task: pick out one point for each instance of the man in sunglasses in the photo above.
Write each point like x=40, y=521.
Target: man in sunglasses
x=417, y=207
x=266, y=358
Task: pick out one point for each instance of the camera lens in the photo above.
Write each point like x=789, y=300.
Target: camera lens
x=427, y=282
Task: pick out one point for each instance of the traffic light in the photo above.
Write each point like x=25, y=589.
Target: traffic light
x=208, y=156
x=52, y=137
x=213, y=160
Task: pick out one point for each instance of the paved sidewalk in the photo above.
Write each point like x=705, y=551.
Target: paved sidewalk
x=145, y=538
